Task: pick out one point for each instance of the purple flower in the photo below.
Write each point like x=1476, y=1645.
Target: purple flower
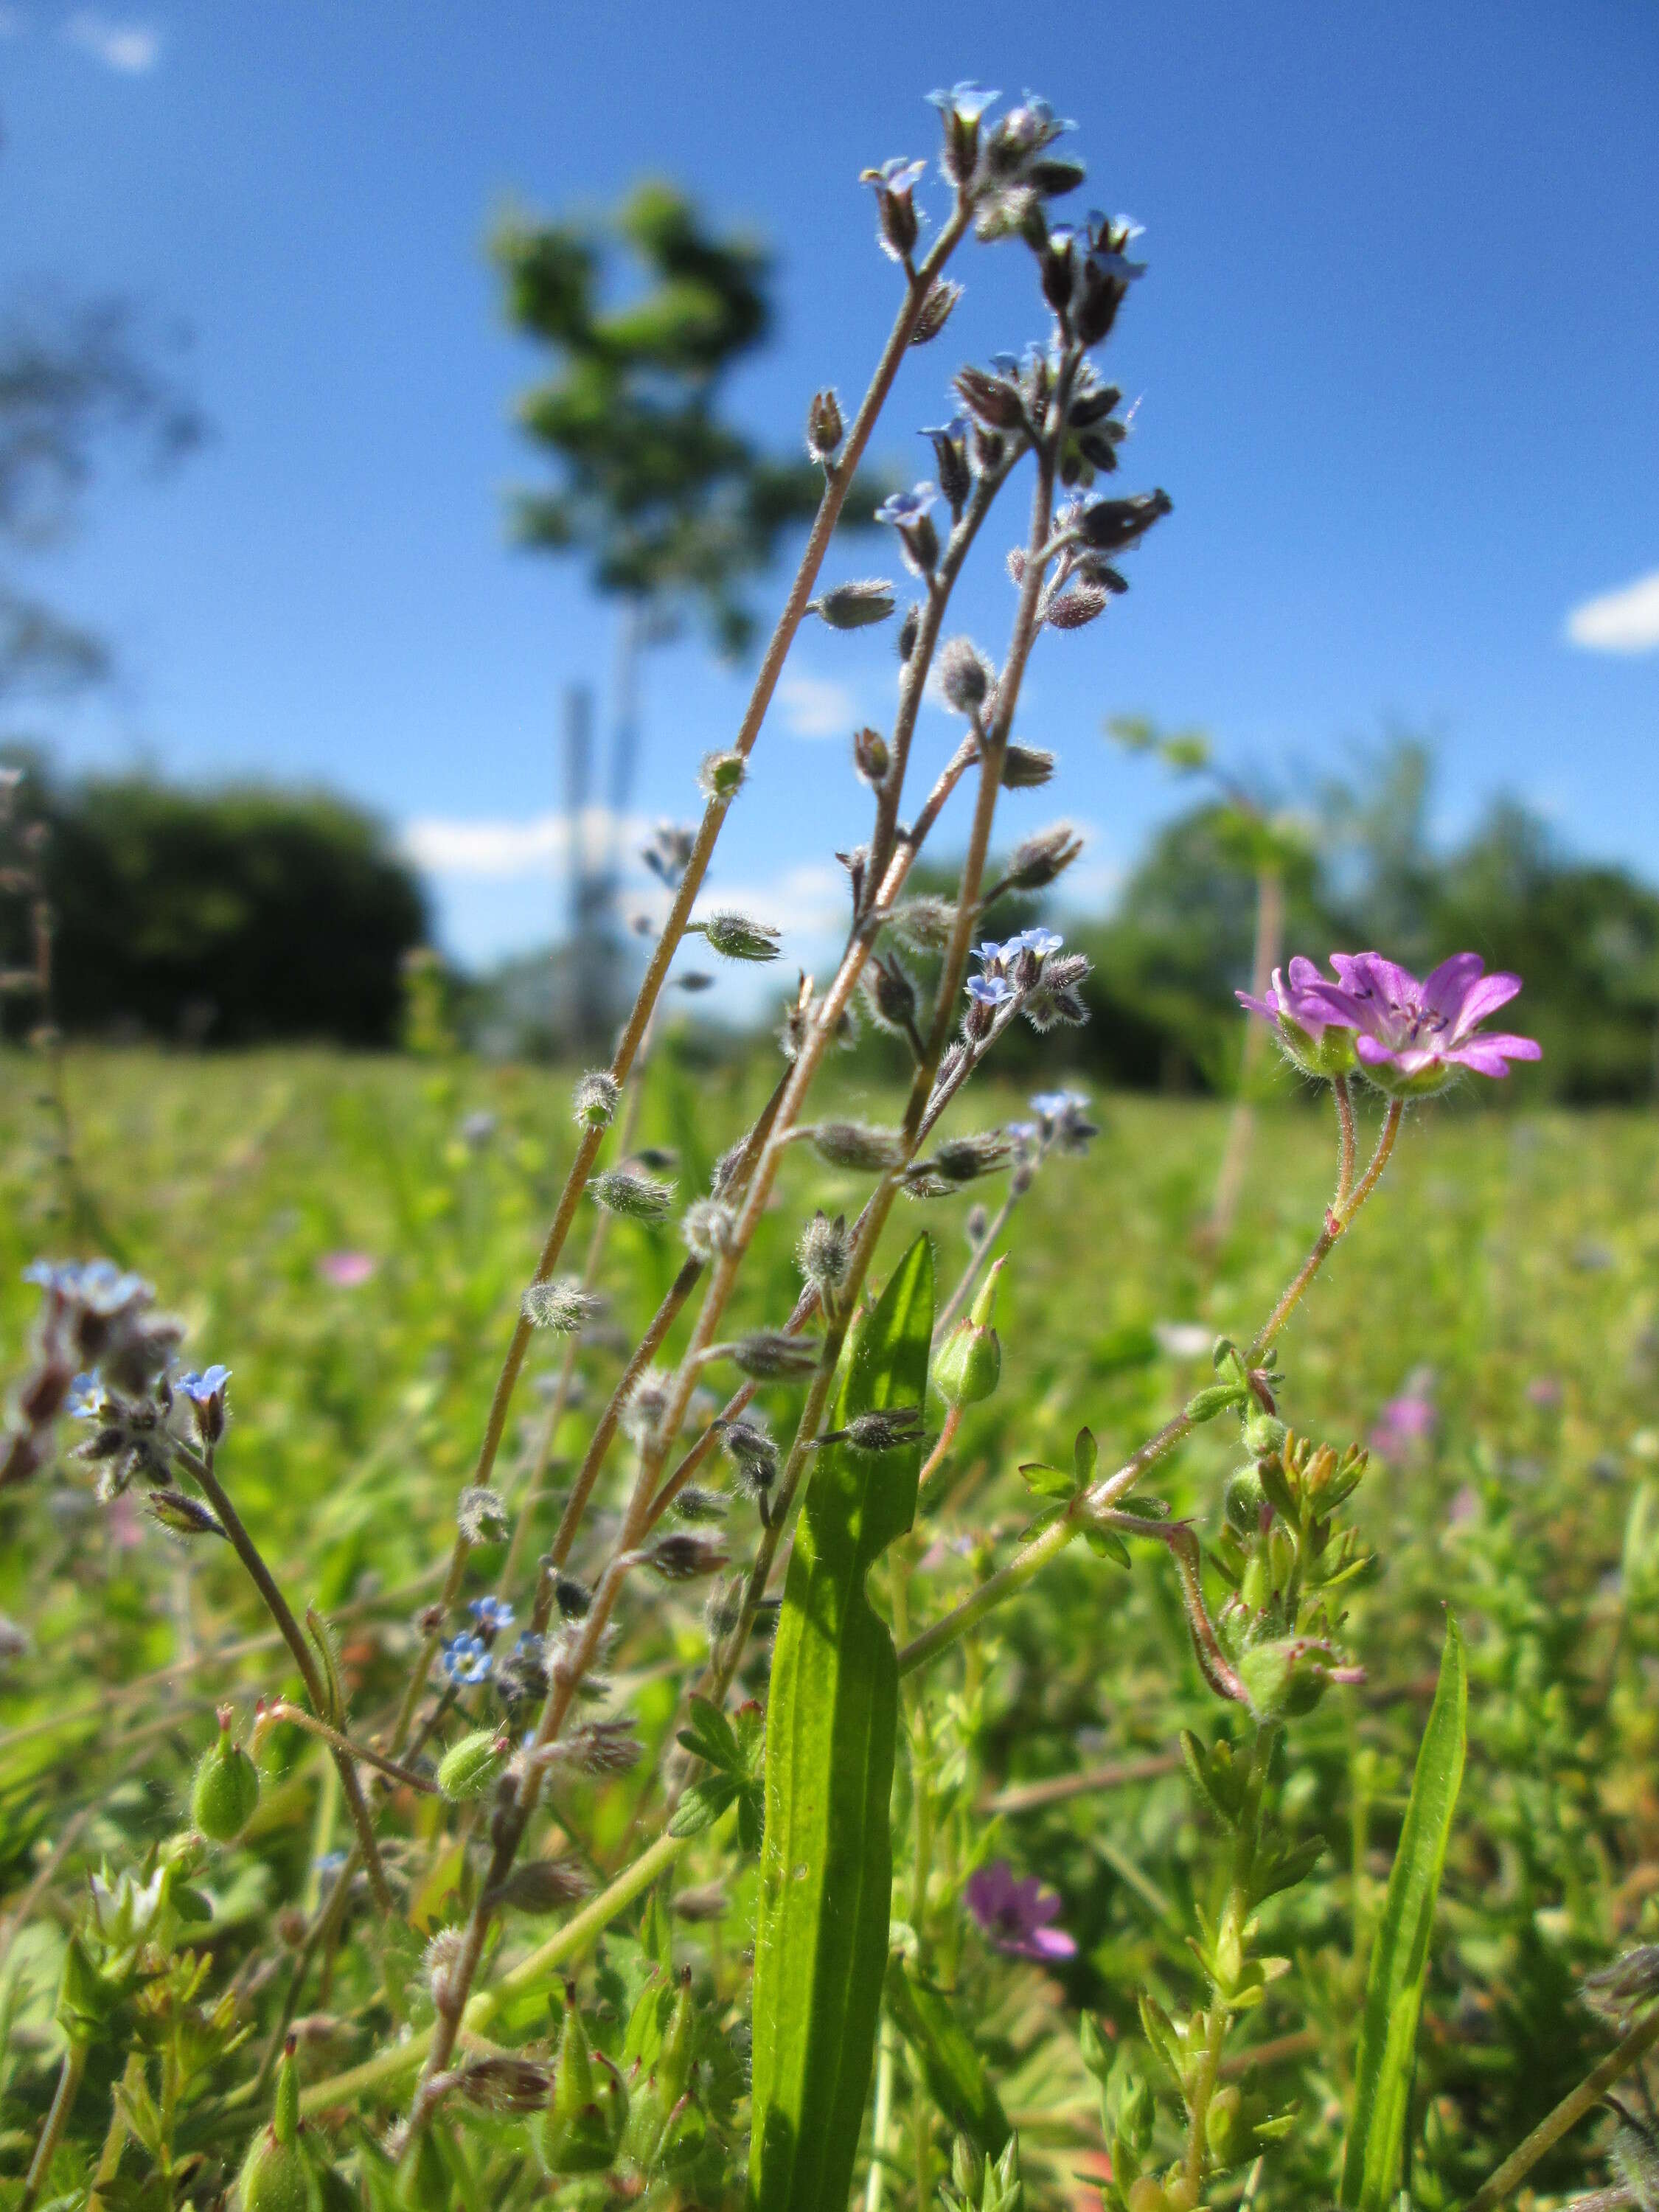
x=898, y=176
x=1315, y=1038
x=347, y=1271
x=1404, y=1426
x=1412, y=1036
x=1015, y=1915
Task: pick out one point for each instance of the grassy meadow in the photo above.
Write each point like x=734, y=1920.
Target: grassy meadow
x=1506, y=1273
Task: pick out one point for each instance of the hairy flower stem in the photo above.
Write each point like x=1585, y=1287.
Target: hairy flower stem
x=63, y=2101
x=1032, y=1558
x=200, y=1467
x=1344, y=1098
x=1503, y=2184
x=1229, y=1937
x=838, y=478
x=283, y=1710
x=532, y=1971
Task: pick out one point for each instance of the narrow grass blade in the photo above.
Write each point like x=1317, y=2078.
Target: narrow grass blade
x=1399, y=1955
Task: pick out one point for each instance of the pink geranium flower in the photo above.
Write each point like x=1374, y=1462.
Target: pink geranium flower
x=1016, y=1916
x=347, y=1271
x=1411, y=1036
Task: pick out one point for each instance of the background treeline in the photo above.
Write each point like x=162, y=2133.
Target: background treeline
x=246, y=915
x=228, y=917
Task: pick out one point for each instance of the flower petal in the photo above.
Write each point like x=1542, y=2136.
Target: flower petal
x=1447, y=989
x=1486, y=997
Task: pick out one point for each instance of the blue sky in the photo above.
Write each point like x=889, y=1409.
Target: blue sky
x=1397, y=358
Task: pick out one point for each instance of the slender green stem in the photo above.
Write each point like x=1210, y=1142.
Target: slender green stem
x=1032, y=1558
x=297, y=1718
x=1503, y=2184
x=69, y=2081
x=1229, y=1937
x=200, y=1470
x=1344, y=1097
x=875, y=2186
x=595, y=1916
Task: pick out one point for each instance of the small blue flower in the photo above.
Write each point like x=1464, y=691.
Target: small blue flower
x=989, y=990
x=1051, y=1104
x=1118, y=265
x=968, y=100
x=328, y=1864
x=956, y=428
x=210, y=1383
x=493, y=1615
x=993, y=955
x=84, y=1399
x=898, y=176
x=1042, y=942
x=906, y=507
x=466, y=1661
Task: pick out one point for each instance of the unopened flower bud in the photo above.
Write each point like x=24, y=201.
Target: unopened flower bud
x=701, y=1506
x=1035, y=861
x=825, y=1253
x=891, y=996
x=542, y=1886
x=825, y=428
x=180, y=1515
x=969, y=1364
x=225, y=1794
x=574, y=1599
x=562, y=1304
x=854, y=605
x=936, y=310
x=685, y=1554
x=706, y=1227
x=870, y=756
x=471, y=1766
x=886, y=1428
x=722, y=774
x=1244, y=1501
x=855, y=1144
x=635, y=1197
x=1264, y=1435
x=737, y=937
x=771, y=1355
x=965, y=676
x=1024, y=767
x=593, y=1101
x=480, y=1515
x=908, y=631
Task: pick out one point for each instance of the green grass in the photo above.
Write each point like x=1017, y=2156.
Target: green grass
x=1501, y=1252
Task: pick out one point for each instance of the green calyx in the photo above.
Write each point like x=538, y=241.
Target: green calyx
x=225, y=1794
x=277, y=2175
x=970, y=1363
x=580, y=2129
x=468, y=1768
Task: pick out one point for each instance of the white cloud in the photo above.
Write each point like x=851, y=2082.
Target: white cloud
x=131, y=48
x=810, y=899
x=817, y=707
x=501, y=849
x=1625, y=621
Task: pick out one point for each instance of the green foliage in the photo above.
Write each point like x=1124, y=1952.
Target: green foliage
x=672, y=505
x=227, y=917
x=1399, y=1954
x=827, y=1859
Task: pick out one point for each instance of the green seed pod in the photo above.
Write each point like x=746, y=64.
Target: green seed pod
x=275, y=2175
x=1264, y=1435
x=656, y=2121
x=970, y=1363
x=582, y=2125
x=469, y=1767
x=1282, y=1678
x=1256, y=1585
x=1244, y=1501
x=226, y=1790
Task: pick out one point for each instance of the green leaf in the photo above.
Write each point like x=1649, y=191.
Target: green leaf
x=1106, y=1544
x=1047, y=1481
x=826, y=1868
x=711, y=1738
x=956, y=2079
x=1085, y=1452
x=1400, y=1954
x=703, y=1804
x=328, y=1669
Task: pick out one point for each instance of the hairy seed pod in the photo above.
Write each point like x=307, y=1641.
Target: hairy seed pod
x=471, y=1766
x=855, y=1144
x=854, y=605
x=561, y=1305
x=225, y=1794
x=824, y=429
x=634, y=1197
x=593, y=1101
x=737, y=937
x=276, y=2177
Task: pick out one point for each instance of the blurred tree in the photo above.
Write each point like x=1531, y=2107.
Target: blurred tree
x=233, y=916
x=673, y=508
x=71, y=378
